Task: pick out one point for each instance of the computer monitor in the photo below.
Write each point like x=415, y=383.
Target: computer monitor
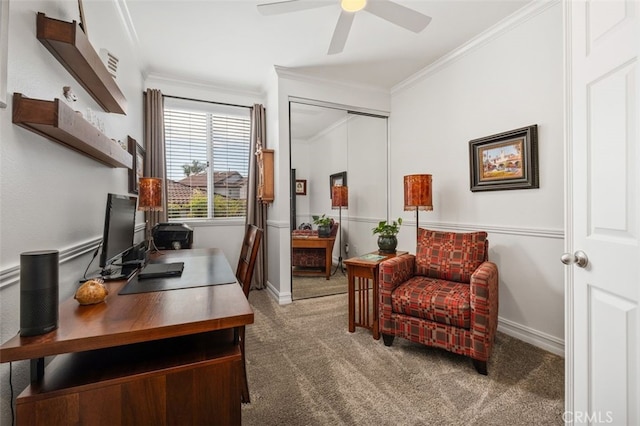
x=119, y=228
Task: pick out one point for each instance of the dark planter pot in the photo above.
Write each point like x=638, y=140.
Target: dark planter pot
x=387, y=244
x=324, y=231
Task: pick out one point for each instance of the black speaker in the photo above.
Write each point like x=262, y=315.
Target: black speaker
x=38, y=292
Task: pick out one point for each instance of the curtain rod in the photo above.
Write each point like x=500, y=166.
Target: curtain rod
x=209, y=102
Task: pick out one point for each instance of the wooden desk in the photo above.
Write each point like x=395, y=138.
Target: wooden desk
x=315, y=242
x=165, y=357
x=365, y=268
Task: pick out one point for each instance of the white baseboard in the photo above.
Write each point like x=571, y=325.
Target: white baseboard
x=281, y=297
x=532, y=336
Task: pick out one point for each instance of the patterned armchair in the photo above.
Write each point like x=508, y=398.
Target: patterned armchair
x=445, y=296
x=307, y=259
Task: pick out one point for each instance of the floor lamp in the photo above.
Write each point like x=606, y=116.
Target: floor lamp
x=339, y=199
x=417, y=195
x=150, y=200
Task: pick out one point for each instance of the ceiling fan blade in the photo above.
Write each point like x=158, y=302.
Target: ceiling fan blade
x=341, y=32
x=398, y=14
x=290, y=6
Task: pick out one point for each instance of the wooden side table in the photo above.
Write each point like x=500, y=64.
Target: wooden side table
x=364, y=270
x=316, y=242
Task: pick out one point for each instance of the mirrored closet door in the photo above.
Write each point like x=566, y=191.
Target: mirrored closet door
x=332, y=145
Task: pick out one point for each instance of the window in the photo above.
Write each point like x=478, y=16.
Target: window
x=207, y=159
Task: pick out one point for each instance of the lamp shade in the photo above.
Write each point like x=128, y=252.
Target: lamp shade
x=339, y=196
x=150, y=194
x=418, y=192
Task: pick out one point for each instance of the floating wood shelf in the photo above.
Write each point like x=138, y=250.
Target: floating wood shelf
x=60, y=123
x=71, y=47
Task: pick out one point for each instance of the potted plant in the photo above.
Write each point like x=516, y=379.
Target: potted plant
x=387, y=240
x=324, y=225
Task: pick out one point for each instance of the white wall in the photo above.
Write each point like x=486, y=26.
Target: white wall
x=50, y=196
x=302, y=156
x=368, y=181
x=510, y=79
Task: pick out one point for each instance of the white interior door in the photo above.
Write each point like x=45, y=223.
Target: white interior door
x=603, y=214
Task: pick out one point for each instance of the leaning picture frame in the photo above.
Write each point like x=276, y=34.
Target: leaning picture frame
x=507, y=160
x=137, y=170
x=337, y=179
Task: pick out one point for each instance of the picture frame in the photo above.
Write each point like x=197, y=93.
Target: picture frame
x=503, y=161
x=301, y=187
x=4, y=50
x=337, y=179
x=137, y=169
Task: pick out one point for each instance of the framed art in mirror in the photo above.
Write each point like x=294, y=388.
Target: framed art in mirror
x=301, y=187
x=337, y=179
x=507, y=160
x=137, y=171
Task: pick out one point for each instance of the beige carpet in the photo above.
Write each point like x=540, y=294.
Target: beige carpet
x=303, y=287
x=305, y=368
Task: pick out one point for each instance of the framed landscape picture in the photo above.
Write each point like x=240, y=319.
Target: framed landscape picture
x=507, y=160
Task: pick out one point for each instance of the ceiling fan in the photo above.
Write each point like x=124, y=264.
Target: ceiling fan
x=385, y=9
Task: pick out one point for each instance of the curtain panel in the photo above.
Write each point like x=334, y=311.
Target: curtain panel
x=257, y=211
x=154, y=146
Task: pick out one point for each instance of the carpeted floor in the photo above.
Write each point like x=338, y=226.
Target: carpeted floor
x=305, y=368
x=304, y=287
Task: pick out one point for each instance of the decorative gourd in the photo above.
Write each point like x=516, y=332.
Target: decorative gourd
x=91, y=292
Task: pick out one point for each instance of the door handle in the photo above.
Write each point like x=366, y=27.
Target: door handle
x=579, y=258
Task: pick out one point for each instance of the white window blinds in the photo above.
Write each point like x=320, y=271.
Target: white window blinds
x=207, y=159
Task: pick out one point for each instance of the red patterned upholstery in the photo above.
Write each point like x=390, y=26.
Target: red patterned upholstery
x=449, y=255
x=445, y=296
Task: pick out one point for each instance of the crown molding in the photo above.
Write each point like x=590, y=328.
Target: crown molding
x=519, y=17
x=204, y=85
x=292, y=74
x=132, y=34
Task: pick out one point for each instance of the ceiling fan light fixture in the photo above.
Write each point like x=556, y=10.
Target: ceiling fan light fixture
x=353, y=5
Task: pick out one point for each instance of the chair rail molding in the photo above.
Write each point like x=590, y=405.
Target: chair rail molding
x=11, y=275
x=525, y=232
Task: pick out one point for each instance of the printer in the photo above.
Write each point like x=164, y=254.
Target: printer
x=172, y=236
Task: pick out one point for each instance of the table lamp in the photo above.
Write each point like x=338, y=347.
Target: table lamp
x=150, y=200
x=339, y=199
x=417, y=195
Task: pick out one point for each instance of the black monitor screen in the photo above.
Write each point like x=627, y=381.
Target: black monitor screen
x=119, y=227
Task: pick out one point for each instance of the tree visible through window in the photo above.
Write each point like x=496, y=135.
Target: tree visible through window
x=207, y=159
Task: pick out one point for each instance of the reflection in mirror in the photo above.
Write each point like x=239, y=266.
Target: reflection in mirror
x=325, y=142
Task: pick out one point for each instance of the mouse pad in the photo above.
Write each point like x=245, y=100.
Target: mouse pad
x=199, y=271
